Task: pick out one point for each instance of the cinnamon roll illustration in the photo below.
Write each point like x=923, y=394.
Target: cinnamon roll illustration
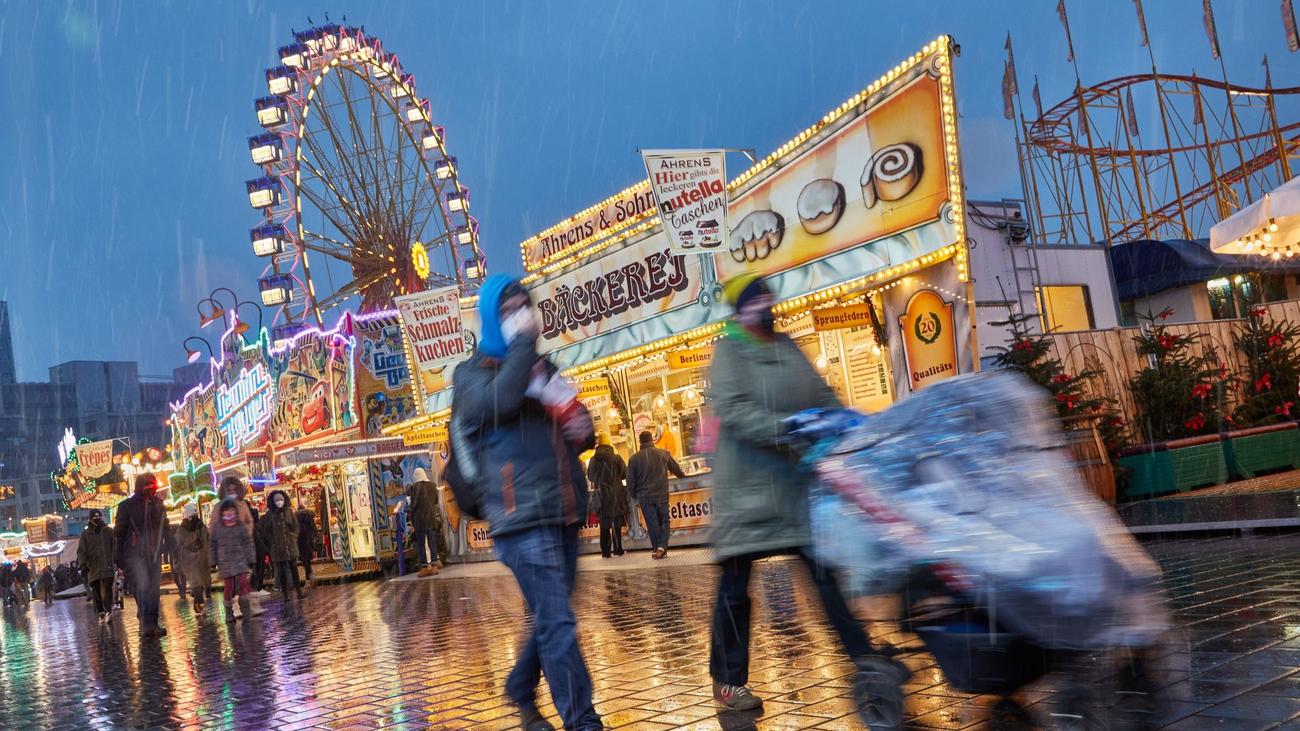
x=757, y=234
x=891, y=173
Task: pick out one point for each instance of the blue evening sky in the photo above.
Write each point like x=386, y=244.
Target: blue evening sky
x=123, y=124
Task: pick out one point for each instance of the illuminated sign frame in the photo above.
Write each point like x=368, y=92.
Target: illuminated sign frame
x=245, y=406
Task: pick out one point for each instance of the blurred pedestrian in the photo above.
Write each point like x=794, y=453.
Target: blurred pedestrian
x=45, y=585
x=647, y=481
x=23, y=582
x=606, y=472
x=171, y=556
x=192, y=550
x=426, y=521
x=306, y=539
x=280, y=538
x=7, y=584
x=231, y=550
x=528, y=428
x=760, y=496
x=95, y=552
x=139, y=531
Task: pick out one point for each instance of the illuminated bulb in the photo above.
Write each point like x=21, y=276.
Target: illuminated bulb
x=821, y=363
x=1267, y=238
x=1272, y=225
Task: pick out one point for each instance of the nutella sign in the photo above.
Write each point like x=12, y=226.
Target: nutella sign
x=593, y=224
x=95, y=459
x=690, y=187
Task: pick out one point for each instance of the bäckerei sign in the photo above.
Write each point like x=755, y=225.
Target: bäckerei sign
x=627, y=286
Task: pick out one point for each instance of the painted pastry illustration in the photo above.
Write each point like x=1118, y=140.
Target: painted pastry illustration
x=757, y=234
x=820, y=205
x=891, y=173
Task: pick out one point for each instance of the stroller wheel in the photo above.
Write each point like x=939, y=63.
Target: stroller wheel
x=1008, y=715
x=1073, y=709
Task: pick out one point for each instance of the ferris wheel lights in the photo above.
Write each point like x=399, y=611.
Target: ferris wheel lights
x=432, y=140
x=281, y=80
x=465, y=234
x=268, y=240
x=445, y=168
x=276, y=289
x=294, y=55
x=265, y=148
x=263, y=192
x=458, y=201
x=272, y=111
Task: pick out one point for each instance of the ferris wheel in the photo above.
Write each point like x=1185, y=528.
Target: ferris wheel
x=360, y=200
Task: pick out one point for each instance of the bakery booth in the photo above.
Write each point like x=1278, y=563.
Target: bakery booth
x=857, y=223
x=305, y=415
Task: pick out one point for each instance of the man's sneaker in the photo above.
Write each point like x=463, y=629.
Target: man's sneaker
x=736, y=697
x=878, y=692
x=530, y=719
x=108, y=617
x=658, y=554
x=425, y=571
x=232, y=613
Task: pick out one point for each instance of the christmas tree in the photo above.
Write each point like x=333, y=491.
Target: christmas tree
x=1031, y=354
x=1179, y=394
x=1272, y=376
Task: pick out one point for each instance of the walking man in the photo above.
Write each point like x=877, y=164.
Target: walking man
x=95, y=553
x=139, y=532
x=528, y=428
x=426, y=521
x=306, y=539
x=647, y=480
x=759, y=378
x=606, y=472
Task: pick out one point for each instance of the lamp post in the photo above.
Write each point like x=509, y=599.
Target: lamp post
x=218, y=312
x=192, y=355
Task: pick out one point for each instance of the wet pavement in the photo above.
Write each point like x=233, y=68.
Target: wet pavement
x=434, y=654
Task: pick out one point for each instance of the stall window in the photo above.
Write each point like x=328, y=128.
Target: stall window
x=1064, y=308
x=1232, y=297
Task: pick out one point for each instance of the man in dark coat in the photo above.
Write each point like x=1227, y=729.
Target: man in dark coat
x=647, y=481
x=306, y=538
x=139, y=530
x=426, y=520
x=606, y=472
x=279, y=529
x=95, y=552
x=527, y=429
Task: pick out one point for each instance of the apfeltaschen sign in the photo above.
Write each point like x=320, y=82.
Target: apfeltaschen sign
x=434, y=331
x=690, y=188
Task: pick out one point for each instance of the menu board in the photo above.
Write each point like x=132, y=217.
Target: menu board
x=868, y=371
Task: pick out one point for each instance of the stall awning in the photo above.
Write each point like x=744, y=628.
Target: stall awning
x=1143, y=268
x=1270, y=225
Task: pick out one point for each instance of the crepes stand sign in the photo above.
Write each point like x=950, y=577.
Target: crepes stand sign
x=690, y=188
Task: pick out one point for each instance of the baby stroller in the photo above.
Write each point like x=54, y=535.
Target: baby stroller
x=962, y=499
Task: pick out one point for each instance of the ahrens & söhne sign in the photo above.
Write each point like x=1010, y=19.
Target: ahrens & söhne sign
x=590, y=225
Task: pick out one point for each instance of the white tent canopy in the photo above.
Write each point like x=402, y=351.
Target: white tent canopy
x=1269, y=227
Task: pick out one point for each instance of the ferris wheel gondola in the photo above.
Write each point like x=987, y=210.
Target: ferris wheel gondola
x=360, y=200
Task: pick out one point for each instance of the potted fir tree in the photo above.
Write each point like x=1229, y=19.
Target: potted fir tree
x=1266, y=418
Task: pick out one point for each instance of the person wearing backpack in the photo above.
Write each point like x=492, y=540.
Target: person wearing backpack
x=517, y=429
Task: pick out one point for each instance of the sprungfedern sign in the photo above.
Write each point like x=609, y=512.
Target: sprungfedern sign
x=690, y=188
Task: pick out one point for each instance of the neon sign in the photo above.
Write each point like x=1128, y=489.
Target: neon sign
x=245, y=406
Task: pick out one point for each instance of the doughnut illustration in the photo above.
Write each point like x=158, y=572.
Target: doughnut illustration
x=757, y=234
x=891, y=173
x=820, y=205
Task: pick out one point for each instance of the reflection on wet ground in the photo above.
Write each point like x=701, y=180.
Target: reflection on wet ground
x=435, y=654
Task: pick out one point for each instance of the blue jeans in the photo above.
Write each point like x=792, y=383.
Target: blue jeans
x=656, y=523
x=145, y=576
x=544, y=561
x=426, y=537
